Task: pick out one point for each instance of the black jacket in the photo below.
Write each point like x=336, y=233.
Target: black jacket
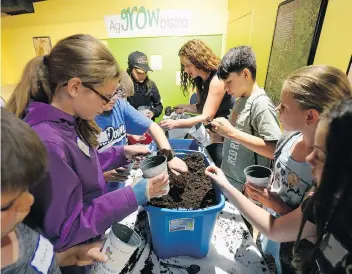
x=141, y=97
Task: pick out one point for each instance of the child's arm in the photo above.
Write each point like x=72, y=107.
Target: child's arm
x=283, y=229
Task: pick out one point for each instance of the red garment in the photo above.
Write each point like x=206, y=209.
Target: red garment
x=146, y=140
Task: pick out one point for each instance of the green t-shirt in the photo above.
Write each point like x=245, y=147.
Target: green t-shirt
x=265, y=123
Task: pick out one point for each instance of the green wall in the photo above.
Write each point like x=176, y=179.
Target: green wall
x=168, y=47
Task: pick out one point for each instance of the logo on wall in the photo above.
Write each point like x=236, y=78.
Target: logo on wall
x=142, y=22
x=139, y=21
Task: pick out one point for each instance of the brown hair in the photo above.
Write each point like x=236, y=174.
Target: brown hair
x=23, y=155
x=330, y=203
x=80, y=56
x=318, y=86
x=127, y=86
x=201, y=56
x=147, y=82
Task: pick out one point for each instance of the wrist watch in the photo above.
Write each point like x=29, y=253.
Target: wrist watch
x=168, y=153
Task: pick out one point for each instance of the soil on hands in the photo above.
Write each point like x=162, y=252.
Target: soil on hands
x=192, y=190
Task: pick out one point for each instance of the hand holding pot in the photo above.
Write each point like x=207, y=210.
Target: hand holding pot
x=223, y=127
x=83, y=254
x=156, y=186
x=147, y=189
x=267, y=198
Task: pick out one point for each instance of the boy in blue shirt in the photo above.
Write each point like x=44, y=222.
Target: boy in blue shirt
x=119, y=119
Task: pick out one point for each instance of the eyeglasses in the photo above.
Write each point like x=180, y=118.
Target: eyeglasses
x=105, y=98
x=9, y=205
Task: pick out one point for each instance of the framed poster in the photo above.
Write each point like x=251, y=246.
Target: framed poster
x=296, y=36
x=349, y=70
x=42, y=45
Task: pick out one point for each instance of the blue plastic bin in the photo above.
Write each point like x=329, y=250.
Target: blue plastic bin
x=186, y=144
x=183, y=232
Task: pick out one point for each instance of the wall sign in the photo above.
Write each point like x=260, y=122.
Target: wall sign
x=142, y=22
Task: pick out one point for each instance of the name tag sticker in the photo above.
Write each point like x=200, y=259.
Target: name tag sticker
x=82, y=146
x=43, y=256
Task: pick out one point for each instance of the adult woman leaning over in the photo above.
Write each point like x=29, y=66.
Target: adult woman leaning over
x=59, y=96
x=199, y=65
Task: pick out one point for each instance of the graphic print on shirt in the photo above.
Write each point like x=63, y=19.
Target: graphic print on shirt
x=234, y=146
x=232, y=155
x=291, y=187
x=111, y=135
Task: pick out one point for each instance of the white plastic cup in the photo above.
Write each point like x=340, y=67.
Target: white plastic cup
x=258, y=175
x=119, y=246
x=154, y=166
x=144, y=109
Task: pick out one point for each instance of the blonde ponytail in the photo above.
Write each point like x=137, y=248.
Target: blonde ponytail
x=34, y=84
x=81, y=56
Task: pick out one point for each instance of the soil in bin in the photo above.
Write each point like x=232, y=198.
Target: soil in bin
x=193, y=190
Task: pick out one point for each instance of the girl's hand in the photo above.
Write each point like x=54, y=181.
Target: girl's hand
x=217, y=175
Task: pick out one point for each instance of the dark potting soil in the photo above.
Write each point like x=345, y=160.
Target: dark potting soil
x=148, y=267
x=192, y=190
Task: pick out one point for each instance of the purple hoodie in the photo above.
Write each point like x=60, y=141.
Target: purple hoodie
x=71, y=204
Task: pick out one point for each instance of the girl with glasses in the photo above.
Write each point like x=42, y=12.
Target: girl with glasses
x=59, y=96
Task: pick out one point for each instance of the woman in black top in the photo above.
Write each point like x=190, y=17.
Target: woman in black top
x=198, y=69
x=146, y=92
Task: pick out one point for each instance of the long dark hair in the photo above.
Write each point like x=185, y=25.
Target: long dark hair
x=332, y=202
x=147, y=81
